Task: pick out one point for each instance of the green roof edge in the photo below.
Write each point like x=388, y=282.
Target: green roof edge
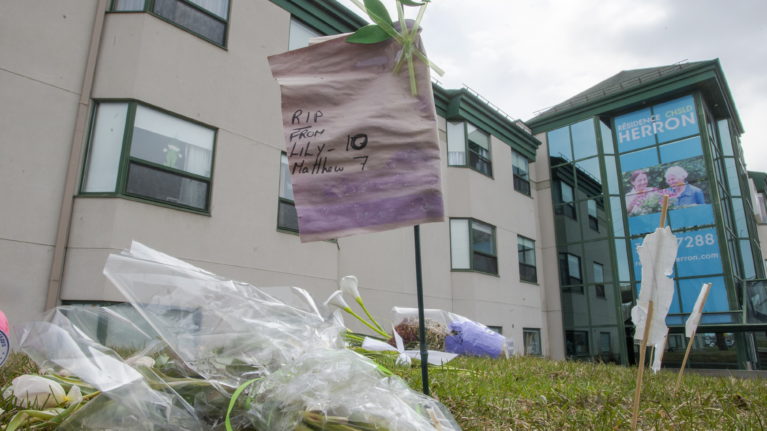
x=328, y=16
x=687, y=78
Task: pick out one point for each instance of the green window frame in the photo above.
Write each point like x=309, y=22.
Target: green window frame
x=148, y=154
x=473, y=246
x=531, y=339
x=469, y=146
x=527, y=267
x=287, y=218
x=207, y=19
x=571, y=271
x=520, y=167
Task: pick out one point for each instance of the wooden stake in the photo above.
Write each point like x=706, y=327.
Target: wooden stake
x=643, y=348
x=690, y=343
x=640, y=369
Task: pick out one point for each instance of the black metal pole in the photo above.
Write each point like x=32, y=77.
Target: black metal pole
x=421, y=319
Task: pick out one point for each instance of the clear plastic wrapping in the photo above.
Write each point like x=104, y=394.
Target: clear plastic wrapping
x=191, y=338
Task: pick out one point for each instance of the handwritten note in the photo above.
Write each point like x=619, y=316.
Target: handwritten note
x=363, y=154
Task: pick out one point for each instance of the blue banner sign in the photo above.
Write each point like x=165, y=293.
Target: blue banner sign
x=665, y=122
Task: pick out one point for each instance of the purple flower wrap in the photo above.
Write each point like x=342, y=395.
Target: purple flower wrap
x=472, y=339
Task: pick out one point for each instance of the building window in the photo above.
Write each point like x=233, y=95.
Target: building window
x=526, y=252
x=577, y=343
x=463, y=137
x=591, y=206
x=532, y=341
x=207, y=19
x=570, y=269
x=521, y=169
x=472, y=246
x=567, y=200
x=144, y=153
x=599, y=279
x=287, y=218
x=498, y=329
x=300, y=34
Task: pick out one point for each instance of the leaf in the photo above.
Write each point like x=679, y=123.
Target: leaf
x=368, y=35
x=377, y=12
x=413, y=3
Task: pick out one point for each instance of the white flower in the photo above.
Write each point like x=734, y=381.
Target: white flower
x=337, y=300
x=141, y=361
x=349, y=286
x=37, y=392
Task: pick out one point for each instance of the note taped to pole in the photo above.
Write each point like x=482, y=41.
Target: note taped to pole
x=363, y=153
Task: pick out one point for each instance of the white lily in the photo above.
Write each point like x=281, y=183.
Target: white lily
x=337, y=300
x=349, y=285
x=31, y=391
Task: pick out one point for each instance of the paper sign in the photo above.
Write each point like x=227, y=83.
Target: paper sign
x=363, y=153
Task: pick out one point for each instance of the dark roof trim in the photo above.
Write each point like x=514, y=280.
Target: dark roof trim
x=706, y=76
x=760, y=180
x=463, y=105
x=328, y=16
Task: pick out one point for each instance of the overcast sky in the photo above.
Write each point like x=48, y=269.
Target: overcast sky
x=527, y=55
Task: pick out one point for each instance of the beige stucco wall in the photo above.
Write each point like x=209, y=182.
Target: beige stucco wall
x=146, y=59
x=41, y=73
x=551, y=306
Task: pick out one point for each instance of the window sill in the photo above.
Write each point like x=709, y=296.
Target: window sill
x=144, y=201
x=475, y=271
x=532, y=283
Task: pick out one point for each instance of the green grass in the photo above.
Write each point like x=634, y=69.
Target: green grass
x=525, y=393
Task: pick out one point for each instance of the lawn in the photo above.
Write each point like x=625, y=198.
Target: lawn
x=527, y=393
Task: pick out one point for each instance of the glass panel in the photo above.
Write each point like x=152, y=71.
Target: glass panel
x=459, y=243
x=574, y=269
x=520, y=166
x=480, y=138
x=577, y=344
x=732, y=176
x=617, y=216
x=559, y=145
x=170, y=141
x=747, y=257
x=485, y=263
x=589, y=178
x=192, y=19
x=724, y=137
x=482, y=238
x=532, y=341
x=584, y=139
x=526, y=250
x=599, y=273
x=756, y=295
x=300, y=34
x=607, y=138
x=613, y=185
x=128, y=5
x=218, y=7
x=105, y=148
x=287, y=218
x=165, y=186
x=741, y=226
x=286, y=185
x=623, y=261
x=456, y=144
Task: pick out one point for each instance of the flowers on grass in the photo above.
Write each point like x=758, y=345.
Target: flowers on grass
x=30, y=391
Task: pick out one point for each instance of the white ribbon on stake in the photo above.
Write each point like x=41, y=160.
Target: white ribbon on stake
x=691, y=327
x=657, y=254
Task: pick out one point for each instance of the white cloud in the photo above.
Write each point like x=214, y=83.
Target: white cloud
x=527, y=55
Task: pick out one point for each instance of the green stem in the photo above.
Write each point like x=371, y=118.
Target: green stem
x=364, y=322
x=233, y=400
x=367, y=313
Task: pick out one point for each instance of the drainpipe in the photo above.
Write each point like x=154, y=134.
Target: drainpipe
x=73, y=167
